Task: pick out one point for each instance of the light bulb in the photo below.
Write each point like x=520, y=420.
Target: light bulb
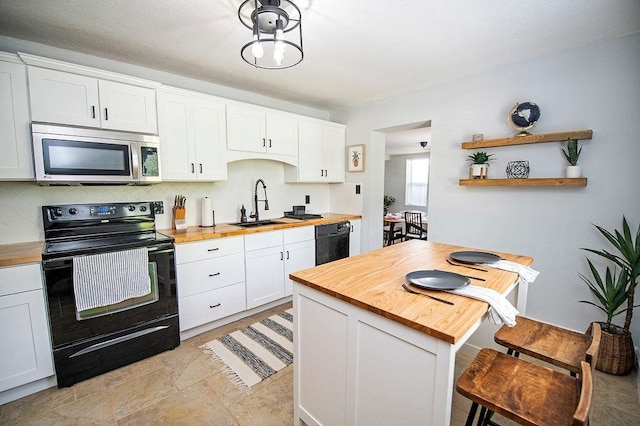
x=278, y=52
x=256, y=49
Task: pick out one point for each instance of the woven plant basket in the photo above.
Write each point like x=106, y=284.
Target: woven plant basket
x=616, y=354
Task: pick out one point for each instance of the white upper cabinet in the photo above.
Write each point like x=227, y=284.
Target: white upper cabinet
x=321, y=155
x=192, y=136
x=261, y=131
x=16, y=162
x=67, y=98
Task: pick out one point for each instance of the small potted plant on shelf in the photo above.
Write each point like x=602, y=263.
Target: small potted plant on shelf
x=616, y=354
x=572, y=153
x=479, y=165
x=388, y=202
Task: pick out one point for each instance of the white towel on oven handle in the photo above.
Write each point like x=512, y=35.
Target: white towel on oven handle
x=501, y=310
x=108, y=278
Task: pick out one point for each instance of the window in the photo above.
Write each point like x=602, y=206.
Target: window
x=417, y=178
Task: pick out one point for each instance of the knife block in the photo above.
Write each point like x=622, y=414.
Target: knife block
x=179, y=218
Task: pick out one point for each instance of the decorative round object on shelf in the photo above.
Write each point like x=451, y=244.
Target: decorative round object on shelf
x=523, y=116
x=518, y=169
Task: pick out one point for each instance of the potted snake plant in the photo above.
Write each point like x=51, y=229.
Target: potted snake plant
x=616, y=355
x=572, y=153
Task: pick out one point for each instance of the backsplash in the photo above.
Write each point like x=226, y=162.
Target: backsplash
x=21, y=202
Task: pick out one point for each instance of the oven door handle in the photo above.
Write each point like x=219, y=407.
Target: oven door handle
x=117, y=340
x=164, y=248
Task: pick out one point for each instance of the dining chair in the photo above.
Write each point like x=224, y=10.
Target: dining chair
x=391, y=234
x=556, y=345
x=524, y=392
x=414, y=228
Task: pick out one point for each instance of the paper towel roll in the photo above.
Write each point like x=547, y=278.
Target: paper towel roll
x=207, y=212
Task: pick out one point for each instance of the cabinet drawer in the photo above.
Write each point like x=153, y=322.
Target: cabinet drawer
x=208, y=249
x=210, y=306
x=262, y=240
x=296, y=235
x=210, y=274
x=17, y=279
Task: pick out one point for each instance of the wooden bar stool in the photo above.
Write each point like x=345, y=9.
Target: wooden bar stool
x=555, y=345
x=527, y=393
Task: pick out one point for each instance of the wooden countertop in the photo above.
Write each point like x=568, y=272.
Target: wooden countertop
x=197, y=233
x=373, y=281
x=20, y=253
x=31, y=252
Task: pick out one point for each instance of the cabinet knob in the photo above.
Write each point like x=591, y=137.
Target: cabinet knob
x=213, y=249
x=269, y=143
x=200, y=168
x=214, y=306
x=193, y=169
x=93, y=111
x=106, y=114
x=264, y=142
x=214, y=274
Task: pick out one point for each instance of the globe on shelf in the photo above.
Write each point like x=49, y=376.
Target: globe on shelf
x=523, y=116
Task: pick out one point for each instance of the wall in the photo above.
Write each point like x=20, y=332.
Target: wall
x=592, y=87
x=395, y=178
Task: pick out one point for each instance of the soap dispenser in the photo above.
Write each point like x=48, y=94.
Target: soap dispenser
x=243, y=214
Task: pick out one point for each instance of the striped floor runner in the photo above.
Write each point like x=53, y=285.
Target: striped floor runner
x=256, y=352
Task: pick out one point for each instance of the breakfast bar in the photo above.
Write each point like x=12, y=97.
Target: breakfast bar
x=367, y=352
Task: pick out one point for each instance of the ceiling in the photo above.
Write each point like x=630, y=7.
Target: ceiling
x=356, y=51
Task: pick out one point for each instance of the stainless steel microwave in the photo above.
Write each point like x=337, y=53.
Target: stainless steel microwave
x=65, y=155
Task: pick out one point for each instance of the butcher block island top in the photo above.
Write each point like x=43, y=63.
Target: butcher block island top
x=373, y=281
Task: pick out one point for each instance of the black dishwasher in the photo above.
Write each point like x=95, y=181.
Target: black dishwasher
x=332, y=241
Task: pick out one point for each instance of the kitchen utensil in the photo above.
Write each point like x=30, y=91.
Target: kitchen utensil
x=474, y=257
x=468, y=276
x=466, y=266
x=437, y=280
x=426, y=295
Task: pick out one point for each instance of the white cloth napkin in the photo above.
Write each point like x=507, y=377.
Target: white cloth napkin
x=526, y=273
x=501, y=312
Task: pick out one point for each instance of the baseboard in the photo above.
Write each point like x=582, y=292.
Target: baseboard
x=27, y=389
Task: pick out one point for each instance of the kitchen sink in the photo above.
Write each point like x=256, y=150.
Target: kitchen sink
x=255, y=224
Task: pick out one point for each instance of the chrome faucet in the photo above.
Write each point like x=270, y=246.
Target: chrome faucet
x=255, y=200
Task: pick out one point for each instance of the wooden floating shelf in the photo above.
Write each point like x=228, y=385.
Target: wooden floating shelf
x=529, y=139
x=525, y=182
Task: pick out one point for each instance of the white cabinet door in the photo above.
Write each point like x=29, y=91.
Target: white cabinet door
x=265, y=275
x=126, y=107
x=24, y=334
x=333, y=153
x=16, y=162
x=282, y=134
x=177, y=142
x=66, y=98
x=210, y=131
x=192, y=137
x=321, y=153
x=60, y=97
x=310, y=152
x=354, y=237
x=297, y=256
x=246, y=129
x=210, y=306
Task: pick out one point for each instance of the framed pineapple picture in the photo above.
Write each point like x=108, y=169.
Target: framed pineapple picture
x=355, y=156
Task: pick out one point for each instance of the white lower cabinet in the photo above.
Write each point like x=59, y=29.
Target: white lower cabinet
x=270, y=258
x=210, y=280
x=24, y=335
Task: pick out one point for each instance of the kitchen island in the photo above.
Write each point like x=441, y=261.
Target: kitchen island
x=367, y=352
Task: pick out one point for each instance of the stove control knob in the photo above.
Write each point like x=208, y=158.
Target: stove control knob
x=57, y=212
x=143, y=208
x=73, y=210
x=131, y=208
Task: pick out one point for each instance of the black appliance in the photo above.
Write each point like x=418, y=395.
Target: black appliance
x=94, y=341
x=332, y=241
x=299, y=213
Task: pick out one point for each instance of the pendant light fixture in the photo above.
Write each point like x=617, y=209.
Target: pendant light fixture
x=271, y=21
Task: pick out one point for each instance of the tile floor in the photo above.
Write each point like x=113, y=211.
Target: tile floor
x=186, y=387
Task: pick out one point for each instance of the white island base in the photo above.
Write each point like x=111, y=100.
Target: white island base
x=353, y=367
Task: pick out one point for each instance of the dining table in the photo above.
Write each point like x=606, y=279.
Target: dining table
x=367, y=351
